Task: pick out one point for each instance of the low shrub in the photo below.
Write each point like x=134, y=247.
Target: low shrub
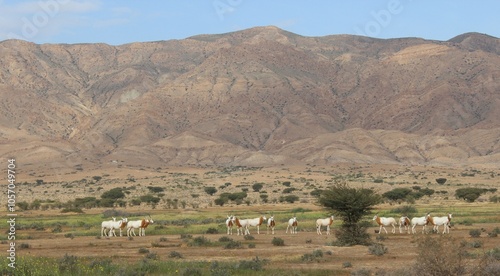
x=212, y=230
x=232, y=245
x=315, y=256
x=255, y=264
x=443, y=254
x=175, y=255
x=475, y=233
x=476, y=244
x=377, y=249
x=200, y=241
x=225, y=239
x=151, y=256
x=278, y=241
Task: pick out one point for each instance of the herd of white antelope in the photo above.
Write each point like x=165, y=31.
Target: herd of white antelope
x=108, y=227
x=243, y=225
x=405, y=222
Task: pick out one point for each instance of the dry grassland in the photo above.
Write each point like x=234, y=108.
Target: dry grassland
x=187, y=184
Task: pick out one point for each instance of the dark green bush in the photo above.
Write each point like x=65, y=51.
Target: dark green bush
x=232, y=245
x=114, y=194
x=254, y=265
x=212, y=230
x=475, y=233
x=257, y=187
x=397, y=194
x=289, y=198
x=225, y=239
x=154, y=189
x=150, y=199
x=316, y=192
x=210, y=190
x=249, y=237
x=221, y=201
x=278, y=241
x=441, y=181
x=469, y=194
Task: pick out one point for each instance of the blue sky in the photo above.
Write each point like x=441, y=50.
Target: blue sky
x=124, y=21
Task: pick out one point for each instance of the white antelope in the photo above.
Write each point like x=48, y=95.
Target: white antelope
x=138, y=224
x=145, y=225
x=421, y=221
x=438, y=221
x=324, y=222
x=117, y=225
x=383, y=222
x=229, y=225
x=241, y=224
x=292, y=224
x=271, y=224
x=404, y=221
x=105, y=225
x=133, y=224
x=255, y=222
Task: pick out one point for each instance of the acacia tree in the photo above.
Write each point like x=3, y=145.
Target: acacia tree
x=350, y=204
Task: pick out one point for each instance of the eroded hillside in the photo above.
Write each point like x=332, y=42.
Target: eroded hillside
x=258, y=97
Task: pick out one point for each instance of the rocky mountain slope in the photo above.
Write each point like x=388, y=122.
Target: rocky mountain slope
x=257, y=97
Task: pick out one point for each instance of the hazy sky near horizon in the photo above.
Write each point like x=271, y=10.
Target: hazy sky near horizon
x=124, y=21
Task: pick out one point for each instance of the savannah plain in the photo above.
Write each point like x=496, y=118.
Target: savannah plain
x=186, y=212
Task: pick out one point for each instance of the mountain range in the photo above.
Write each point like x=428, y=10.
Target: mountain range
x=257, y=97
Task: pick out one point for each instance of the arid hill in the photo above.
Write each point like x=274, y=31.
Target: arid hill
x=256, y=97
